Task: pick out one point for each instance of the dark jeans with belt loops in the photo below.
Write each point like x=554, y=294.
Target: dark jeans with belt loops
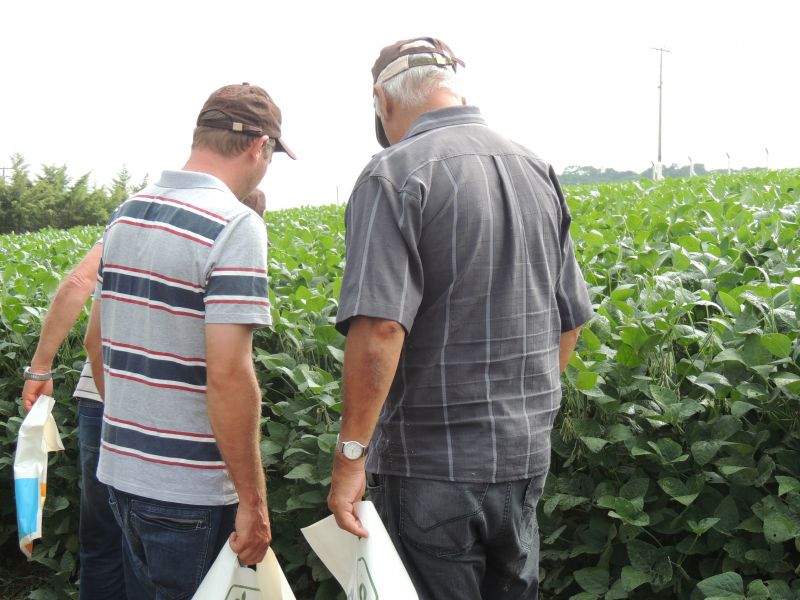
x=99, y=534
x=463, y=541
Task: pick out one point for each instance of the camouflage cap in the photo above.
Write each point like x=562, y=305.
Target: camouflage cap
x=246, y=109
x=407, y=54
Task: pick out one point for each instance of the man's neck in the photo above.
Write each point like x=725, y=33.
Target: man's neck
x=210, y=163
x=441, y=98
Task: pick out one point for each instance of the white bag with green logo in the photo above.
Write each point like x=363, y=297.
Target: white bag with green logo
x=226, y=580
x=366, y=568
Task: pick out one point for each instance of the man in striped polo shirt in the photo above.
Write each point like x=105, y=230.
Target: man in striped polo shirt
x=182, y=284
x=461, y=301
x=99, y=535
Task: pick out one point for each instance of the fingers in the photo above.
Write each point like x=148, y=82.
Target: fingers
x=250, y=549
x=252, y=536
x=348, y=521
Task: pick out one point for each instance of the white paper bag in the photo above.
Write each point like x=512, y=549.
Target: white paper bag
x=366, y=568
x=37, y=436
x=226, y=580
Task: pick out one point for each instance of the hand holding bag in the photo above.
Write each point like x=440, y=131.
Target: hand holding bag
x=366, y=568
x=37, y=436
x=226, y=580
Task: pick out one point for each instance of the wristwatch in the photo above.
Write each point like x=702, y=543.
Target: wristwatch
x=351, y=450
x=27, y=374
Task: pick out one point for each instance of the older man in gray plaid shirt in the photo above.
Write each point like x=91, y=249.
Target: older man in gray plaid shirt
x=461, y=302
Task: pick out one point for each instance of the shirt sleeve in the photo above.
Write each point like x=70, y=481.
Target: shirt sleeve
x=572, y=294
x=383, y=271
x=236, y=275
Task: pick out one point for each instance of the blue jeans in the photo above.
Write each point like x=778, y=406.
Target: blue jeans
x=463, y=541
x=100, y=538
x=168, y=547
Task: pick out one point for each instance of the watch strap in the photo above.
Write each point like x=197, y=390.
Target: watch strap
x=27, y=374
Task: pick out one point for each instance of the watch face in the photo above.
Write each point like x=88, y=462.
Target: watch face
x=352, y=450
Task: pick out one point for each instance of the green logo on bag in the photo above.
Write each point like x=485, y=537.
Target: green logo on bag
x=364, y=586
x=239, y=592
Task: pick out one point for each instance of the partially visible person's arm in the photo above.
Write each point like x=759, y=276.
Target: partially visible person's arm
x=94, y=348
x=65, y=309
x=569, y=340
x=234, y=410
x=370, y=361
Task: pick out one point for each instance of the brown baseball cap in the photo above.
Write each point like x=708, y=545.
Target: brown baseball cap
x=407, y=54
x=245, y=109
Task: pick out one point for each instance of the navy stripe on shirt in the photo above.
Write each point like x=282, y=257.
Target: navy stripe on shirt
x=145, y=209
x=238, y=285
x=153, y=368
x=166, y=446
x=150, y=289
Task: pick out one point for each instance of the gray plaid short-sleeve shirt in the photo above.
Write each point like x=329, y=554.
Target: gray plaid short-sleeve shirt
x=462, y=236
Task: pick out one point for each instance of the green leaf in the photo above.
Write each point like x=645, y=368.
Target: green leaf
x=586, y=380
x=740, y=408
x=757, y=590
x=787, y=484
x=787, y=380
x=704, y=451
x=777, y=343
x=633, y=578
x=623, y=292
x=642, y=555
x=685, y=493
x=594, y=444
x=662, y=395
x=729, y=303
x=302, y=471
x=593, y=580
x=703, y=526
x=780, y=528
x=724, y=585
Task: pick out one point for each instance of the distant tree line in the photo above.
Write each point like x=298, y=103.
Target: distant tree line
x=583, y=174
x=53, y=199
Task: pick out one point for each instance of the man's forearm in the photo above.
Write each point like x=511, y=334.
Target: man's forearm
x=66, y=307
x=569, y=339
x=234, y=410
x=370, y=362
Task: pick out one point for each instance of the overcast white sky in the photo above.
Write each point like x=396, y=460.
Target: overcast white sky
x=98, y=85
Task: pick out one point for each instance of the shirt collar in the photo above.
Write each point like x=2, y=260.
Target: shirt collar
x=190, y=179
x=445, y=117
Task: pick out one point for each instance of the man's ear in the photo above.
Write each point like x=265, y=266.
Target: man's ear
x=257, y=146
x=384, y=102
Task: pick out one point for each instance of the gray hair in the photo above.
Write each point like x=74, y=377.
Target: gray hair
x=412, y=87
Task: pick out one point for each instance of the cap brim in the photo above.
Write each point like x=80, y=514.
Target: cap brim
x=380, y=133
x=281, y=146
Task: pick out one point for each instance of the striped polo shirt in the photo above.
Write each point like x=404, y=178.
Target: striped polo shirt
x=462, y=237
x=85, y=388
x=178, y=255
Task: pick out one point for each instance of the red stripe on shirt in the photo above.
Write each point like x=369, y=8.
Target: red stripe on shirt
x=181, y=313
x=151, y=384
x=158, y=275
x=169, y=431
x=143, y=349
x=181, y=203
x=161, y=462
x=168, y=230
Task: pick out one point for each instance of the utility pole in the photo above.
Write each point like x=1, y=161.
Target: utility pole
x=767, y=151
x=729, y=162
x=660, y=88
x=3, y=172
